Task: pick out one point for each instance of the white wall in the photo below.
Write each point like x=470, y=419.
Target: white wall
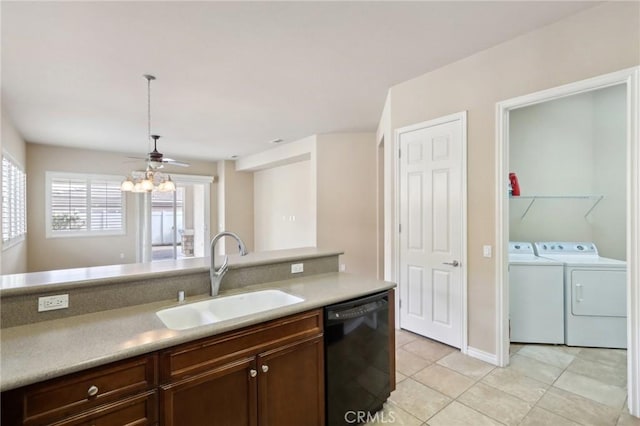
x=571, y=146
x=597, y=41
x=341, y=193
x=235, y=206
x=347, y=190
x=551, y=151
x=284, y=209
x=13, y=260
x=609, y=217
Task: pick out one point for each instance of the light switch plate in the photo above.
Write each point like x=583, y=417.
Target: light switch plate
x=486, y=251
x=296, y=268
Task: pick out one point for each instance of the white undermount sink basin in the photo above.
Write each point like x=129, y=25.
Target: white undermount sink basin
x=224, y=308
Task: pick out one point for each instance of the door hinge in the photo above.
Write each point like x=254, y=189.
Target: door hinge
x=400, y=303
x=399, y=153
x=399, y=228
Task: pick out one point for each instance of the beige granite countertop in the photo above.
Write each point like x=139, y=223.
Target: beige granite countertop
x=44, y=350
x=34, y=282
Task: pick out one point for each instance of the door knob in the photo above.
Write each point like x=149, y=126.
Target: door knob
x=265, y=368
x=253, y=373
x=454, y=263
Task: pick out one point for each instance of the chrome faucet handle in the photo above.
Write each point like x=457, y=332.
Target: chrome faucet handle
x=223, y=268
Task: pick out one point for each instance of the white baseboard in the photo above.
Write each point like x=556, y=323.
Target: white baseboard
x=482, y=355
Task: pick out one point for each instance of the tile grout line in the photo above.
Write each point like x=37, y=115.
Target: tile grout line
x=565, y=369
x=481, y=378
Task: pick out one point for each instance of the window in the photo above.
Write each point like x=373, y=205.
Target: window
x=14, y=202
x=84, y=205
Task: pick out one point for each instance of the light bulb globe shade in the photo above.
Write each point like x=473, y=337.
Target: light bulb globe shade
x=127, y=185
x=146, y=185
x=168, y=185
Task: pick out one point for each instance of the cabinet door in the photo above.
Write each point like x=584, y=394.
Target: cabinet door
x=223, y=396
x=291, y=385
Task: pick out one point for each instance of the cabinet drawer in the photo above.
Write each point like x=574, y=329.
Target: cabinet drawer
x=138, y=410
x=193, y=358
x=69, y=395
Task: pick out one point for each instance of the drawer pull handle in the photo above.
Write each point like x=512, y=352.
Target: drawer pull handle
x=265, y=368
x=93, y=391
x=253, y=373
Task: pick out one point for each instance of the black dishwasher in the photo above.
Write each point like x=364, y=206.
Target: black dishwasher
x=356, y=335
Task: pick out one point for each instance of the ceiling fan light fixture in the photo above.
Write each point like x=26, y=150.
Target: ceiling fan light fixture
x=147, y=183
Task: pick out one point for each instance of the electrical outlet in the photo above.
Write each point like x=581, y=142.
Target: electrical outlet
x=51, y=303
x=296, y=268
x=486, y=251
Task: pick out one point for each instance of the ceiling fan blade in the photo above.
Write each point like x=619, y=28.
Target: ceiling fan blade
x=139, y=158
x=175, y=162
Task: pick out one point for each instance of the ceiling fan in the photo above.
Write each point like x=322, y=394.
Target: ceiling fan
x=151, y=179
x=157, y=160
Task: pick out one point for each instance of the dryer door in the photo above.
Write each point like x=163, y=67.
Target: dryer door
x=599, y=292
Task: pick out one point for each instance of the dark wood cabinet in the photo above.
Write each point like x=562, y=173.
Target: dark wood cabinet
x=270, y=374
x=89, y=397
x=139, y=410
x=224, y=396
x=291, y=384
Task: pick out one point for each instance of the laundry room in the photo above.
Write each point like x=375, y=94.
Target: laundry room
x=567, y=204
x=569, y=155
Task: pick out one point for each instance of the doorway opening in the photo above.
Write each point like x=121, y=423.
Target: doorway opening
x=176, y=225
x=586, y=202
x=167, y=225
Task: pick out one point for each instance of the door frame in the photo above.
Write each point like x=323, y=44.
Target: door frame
x=143, y=213
x=462, y=117
x=630, y=77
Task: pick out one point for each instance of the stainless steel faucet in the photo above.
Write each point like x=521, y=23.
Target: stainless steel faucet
x=217, y=274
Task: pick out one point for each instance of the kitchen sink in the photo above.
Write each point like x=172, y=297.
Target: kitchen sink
x=224, y=308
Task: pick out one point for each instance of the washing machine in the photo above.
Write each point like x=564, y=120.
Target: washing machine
x=595, y=294
x=536, y=296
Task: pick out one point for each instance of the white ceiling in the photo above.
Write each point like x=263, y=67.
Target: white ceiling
x=231, y=75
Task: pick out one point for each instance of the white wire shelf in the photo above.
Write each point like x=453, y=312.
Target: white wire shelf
x=596, y=199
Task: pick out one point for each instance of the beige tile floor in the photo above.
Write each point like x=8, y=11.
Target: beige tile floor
x=544, y=385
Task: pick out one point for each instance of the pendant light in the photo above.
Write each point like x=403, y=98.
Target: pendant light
x=151, y=179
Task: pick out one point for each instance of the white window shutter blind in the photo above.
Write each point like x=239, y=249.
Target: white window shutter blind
x=106, y=205
x=83, y=205
x=68, y=204
x=14, y=201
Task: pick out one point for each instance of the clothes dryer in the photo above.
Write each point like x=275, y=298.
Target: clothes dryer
x=595, y=294
x=536, y=296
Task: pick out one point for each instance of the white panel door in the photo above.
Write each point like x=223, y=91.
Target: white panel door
x=431, y=232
